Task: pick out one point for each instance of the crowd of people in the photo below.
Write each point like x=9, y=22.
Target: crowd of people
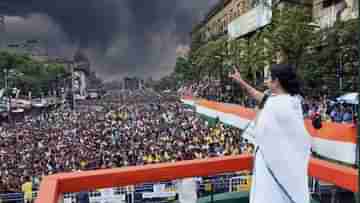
x=204, y=89
x=123, y=129
x=330, y=111
x=215, y=91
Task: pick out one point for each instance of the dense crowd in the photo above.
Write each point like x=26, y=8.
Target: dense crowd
x=127, y=128
x=215, y=91
x=329, y=110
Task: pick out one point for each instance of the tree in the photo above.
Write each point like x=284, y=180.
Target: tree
x=210, y=58
x=196, y=42
x=184, y=70
x=29, y=75
x=291, y=34
x=165, y=83
x=251, y=55
x=338, y=51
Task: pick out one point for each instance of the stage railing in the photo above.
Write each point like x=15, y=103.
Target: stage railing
x=53, y=187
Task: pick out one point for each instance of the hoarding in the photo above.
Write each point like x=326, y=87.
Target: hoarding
x=254, y=19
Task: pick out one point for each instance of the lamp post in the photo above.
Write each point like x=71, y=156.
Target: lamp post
x=6, y=74
x=8, y=104
x=340, y=71
x=73, y=87
x=342, y=62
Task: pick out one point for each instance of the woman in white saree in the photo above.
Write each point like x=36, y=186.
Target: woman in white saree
x=283, y=144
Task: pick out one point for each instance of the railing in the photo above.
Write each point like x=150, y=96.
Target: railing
x=14, y=197
x=205, y=186
x=52, y=187
x=229, y=182
x=140, y=193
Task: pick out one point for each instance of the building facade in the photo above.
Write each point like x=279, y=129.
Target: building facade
x=78, y=67
x=232, y=19
x=80, y=74
x=239, y=19
x=133, y=83
x=326, y=12
x=217, y=20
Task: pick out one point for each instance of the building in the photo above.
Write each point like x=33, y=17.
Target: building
x=81, y=73
x=231, y=19
x=239, y=19
x=217, y=20
x=326, y=12
x=78, y=67
x=2, y=30
x=133, y=83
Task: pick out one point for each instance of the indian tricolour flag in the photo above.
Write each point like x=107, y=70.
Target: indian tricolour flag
x=333, y=141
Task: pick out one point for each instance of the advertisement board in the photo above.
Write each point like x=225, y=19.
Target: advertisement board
x=257, y=17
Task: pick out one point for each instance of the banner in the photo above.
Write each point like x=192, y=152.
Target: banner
x=333, y=141
x=254, y=19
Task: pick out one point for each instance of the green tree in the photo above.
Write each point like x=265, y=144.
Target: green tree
x=196, y=42
x=338, y=49
x=210, y=58
x=251, y=55
x=184, y=70
x=29, y=75
x=291, y=34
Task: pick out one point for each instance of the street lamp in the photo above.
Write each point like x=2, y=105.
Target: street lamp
x=8, y=103
x=73, y=86
x=340, y=71
x=5, y=78
x=340, y=68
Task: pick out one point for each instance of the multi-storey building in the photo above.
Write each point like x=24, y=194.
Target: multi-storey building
x=132, y=83
x=238, y=19
x=217, y=20
x=326, y=12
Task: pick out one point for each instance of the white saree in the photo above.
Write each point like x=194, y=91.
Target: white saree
x=284, y=147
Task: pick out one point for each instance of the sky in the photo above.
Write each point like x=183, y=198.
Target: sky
x=121, y=37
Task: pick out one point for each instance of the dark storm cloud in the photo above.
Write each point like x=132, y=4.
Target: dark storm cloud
x=123, y=37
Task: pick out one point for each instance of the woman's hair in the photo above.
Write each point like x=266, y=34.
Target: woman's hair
x=286, y=74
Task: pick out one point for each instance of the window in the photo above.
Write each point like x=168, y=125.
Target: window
x=355, y=7
x=328, y=3
x=231, y=15
x=241, y=7
x=254, y=3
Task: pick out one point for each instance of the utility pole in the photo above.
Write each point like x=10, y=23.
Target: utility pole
x=340, y=72
x=6, y=74
x=2, y=31
x=73, y=86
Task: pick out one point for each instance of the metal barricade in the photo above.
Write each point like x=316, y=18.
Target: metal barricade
x=134, y=194
x=107, y=195
x=11, y=197
x=14, y=197
x=240, y=183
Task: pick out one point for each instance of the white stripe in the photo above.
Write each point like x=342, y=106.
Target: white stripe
x=336, y=150
x=226, y=118
x=229, y=119
x=234, y=120
x=207, y=111
x=188, y=102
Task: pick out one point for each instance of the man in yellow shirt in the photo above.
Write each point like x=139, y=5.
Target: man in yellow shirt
x=26, y=188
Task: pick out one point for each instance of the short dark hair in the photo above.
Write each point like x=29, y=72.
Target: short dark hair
x=288, y=79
